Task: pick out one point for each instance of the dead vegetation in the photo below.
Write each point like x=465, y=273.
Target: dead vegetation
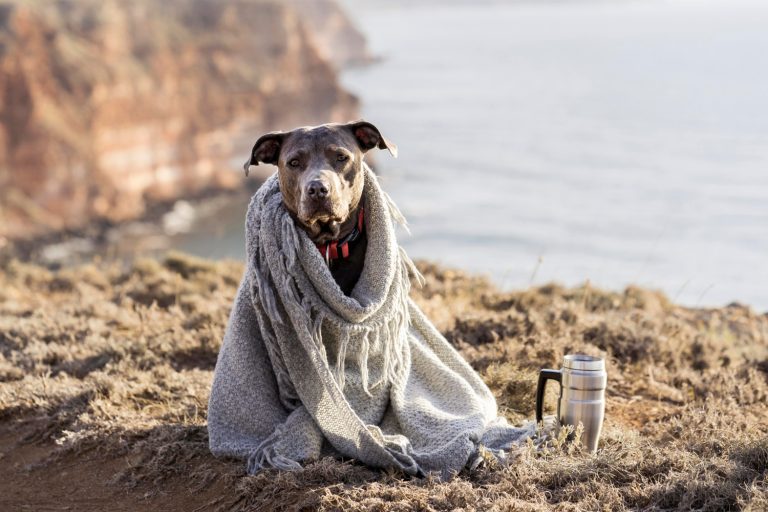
x=101, y=362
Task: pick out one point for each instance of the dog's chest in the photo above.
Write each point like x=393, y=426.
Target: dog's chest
x=346, y=271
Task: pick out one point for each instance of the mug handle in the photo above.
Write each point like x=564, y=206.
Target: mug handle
x=544, y=376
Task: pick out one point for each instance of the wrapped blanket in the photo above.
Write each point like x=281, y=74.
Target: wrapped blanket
x=305, y=370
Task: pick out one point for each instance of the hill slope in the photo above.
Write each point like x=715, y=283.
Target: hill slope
x=106, y=372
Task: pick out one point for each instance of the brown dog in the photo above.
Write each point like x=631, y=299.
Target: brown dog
x=320, y=170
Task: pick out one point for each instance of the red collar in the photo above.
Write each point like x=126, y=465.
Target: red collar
x=340, y=248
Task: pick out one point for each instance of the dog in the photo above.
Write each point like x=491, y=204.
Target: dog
x=320, y=171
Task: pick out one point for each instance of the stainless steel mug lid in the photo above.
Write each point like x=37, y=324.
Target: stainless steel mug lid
x=583, y=362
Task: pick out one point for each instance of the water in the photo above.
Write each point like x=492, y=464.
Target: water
x=621, y=142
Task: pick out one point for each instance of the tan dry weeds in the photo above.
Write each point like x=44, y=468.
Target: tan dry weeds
x=99, y=359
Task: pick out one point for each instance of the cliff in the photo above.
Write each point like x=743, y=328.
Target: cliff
x=333, y=32
x=107, y=105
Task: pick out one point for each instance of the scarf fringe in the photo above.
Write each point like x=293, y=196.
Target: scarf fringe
x=266, y=456
x=395, y=213
x=410, y=268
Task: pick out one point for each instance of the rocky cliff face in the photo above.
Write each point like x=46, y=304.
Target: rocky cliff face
x=107, y=105
x=333, y=32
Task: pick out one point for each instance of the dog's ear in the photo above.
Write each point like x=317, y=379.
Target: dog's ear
x=266, y=149
x=369, y=137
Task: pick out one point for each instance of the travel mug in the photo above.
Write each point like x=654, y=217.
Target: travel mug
x=582, y=382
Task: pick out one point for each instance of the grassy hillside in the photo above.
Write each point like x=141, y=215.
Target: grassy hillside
x=105, y=374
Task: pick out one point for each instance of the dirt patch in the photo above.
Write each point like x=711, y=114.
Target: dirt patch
x=106, y=372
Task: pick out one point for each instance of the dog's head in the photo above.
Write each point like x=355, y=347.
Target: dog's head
x=321, y=172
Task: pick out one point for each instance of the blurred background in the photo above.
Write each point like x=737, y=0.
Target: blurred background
x=618, y=143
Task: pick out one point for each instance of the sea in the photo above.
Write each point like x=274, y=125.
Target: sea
x=609, y=142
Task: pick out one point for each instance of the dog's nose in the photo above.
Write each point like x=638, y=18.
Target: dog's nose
x=317, y=190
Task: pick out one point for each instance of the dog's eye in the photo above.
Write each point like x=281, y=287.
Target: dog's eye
x=342, y=157
x=294, y=162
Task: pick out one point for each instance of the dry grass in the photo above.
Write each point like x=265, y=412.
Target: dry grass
x=118, y=363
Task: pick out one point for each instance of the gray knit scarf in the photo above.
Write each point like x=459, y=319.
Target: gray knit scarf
x=305, y=370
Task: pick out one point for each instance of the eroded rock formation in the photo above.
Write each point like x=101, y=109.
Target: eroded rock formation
x=108, y=105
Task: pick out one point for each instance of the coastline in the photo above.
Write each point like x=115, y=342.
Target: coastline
x=144, y=236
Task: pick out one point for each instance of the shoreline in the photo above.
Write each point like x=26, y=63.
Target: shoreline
x=150, y=236
x=100, y=238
